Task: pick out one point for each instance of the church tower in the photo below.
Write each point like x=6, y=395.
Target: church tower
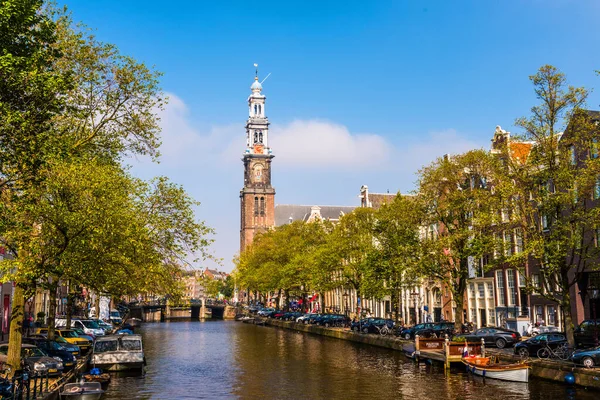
x=257, y=198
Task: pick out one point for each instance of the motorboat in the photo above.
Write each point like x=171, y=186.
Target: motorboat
x=482, y=366
x=118, y=353
x=82, y=391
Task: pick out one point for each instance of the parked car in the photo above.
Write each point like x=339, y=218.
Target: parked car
x=89, y=326
x=278, y=315
x=71, y=337
x=312, y=318
x=375, y=324
x=83, y=335
x=587, y=333
x=493, y=336
x=291, y=316
x=531, y=346
x=303, y=318
x=409, y=333
x=328, y=320
x=36, y=359
x=588, y=357
x=115, y=317
x=108, y=328
x=53, y=349
x=264, y=311
x=440, y=329
x=356, y=326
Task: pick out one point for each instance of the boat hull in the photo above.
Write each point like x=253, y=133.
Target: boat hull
x=514, y=374
x=120, y=366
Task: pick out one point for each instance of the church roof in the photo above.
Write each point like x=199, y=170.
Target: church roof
x=283, y=212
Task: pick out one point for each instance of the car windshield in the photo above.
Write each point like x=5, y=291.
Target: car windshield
x=105, y=345
x=90, y=324
x=31, y=352
x=115, y=314
x=68, y=334
x=54, y=346
x=59, y=339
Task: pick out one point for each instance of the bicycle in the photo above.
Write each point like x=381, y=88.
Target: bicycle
x=562, y=352
x=384, y=330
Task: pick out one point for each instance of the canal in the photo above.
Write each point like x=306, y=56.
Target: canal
x=226, y=359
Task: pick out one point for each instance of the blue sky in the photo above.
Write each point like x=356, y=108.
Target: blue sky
x=360, y=92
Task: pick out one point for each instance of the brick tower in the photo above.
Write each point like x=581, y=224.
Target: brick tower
x=257, y=198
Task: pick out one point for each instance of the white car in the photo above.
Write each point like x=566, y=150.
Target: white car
x=304, y=317
x=88, y=326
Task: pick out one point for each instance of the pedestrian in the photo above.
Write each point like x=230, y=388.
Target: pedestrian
x=26, y=323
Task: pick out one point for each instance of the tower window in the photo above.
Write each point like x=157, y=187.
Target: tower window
x=256, y=206
x=255, y=136
x=260, y=137
x=255, y=109
x=259, y=109
x=262, y=206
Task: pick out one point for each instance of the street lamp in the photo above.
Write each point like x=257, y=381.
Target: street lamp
x=345, y=296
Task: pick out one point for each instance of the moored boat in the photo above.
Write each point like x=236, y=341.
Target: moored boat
x=118, y=353
x=507, y=372
x=82, y=391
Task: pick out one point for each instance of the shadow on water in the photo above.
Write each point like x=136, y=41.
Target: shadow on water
x=226, y=359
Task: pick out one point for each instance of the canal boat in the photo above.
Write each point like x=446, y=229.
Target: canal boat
x=82, y=391
x=118, y=353
x=481, y=366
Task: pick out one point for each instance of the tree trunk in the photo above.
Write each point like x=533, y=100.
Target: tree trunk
x=52, y=312
x=70, y=300
x=566, y=307
x=458, y=313
x=97, y=305
x=322, y=298
x=286, y=306
x=16, y=330
x=394, y=302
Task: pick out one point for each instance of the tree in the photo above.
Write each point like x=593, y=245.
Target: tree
x=553, y=190
x=460, y=212
x=353, y=242
x=396, y=257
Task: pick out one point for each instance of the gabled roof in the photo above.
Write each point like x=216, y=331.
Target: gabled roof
x=520, y=150
x=286, y=213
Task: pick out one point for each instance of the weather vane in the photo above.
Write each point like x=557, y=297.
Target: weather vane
x=256, y=66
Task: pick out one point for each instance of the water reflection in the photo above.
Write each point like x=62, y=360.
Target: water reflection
x=216, y=360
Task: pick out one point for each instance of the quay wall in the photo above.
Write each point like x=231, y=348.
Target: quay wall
x=550, y=370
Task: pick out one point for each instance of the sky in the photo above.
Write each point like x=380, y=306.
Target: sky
x=360, y=92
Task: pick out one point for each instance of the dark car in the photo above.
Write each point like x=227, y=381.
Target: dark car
x=440, y=329
x=531, y=346
x=312, y=318
x=409, y=333
x=291, y=316
x=493, y=336
x=35, y=359
x=328, y=320
x=374, y=325
x=278, y=315
x=53, y=349
x=588, y=358
x=357, y=325
x=587, y=333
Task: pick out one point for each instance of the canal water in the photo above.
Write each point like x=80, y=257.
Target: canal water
x=227, y=359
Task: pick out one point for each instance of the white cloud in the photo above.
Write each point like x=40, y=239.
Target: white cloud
x=315, y=143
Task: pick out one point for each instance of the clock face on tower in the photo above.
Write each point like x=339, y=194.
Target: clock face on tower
x=257, y=173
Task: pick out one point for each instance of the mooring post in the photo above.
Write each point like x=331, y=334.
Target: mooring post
x=447, y=352
x=482, y=347
x=417, y=350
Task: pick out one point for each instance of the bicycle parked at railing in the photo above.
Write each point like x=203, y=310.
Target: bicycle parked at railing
x=562, y=352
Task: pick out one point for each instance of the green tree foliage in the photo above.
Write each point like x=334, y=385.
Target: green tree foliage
x=552, y=191
x=395, y=261
x=460, y=211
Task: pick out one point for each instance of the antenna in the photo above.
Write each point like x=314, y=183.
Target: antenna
x=265, y=78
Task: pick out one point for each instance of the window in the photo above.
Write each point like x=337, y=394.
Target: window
x=490, y=290
x=260, y=137
x=131, y=345
x=597, y=190
x=507, y=243
x=259, y=109
x=594, y=148
x=255, y=109
x=491, y=316
x=573, y=155
x=544, y=222
x=539, y=314
x=535, y=281
x=256, y=206
x=262, y=206
x=500, y=283
x=472, y=290
x=512, y=293
x=481, y=288
x=551, y=315
x=522, y=280
x=518, y=241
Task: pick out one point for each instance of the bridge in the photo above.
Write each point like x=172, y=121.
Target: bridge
x=193, y=311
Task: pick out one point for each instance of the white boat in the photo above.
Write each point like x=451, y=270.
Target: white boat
x=118, y=353
x=506, y=372
x=82, y=391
